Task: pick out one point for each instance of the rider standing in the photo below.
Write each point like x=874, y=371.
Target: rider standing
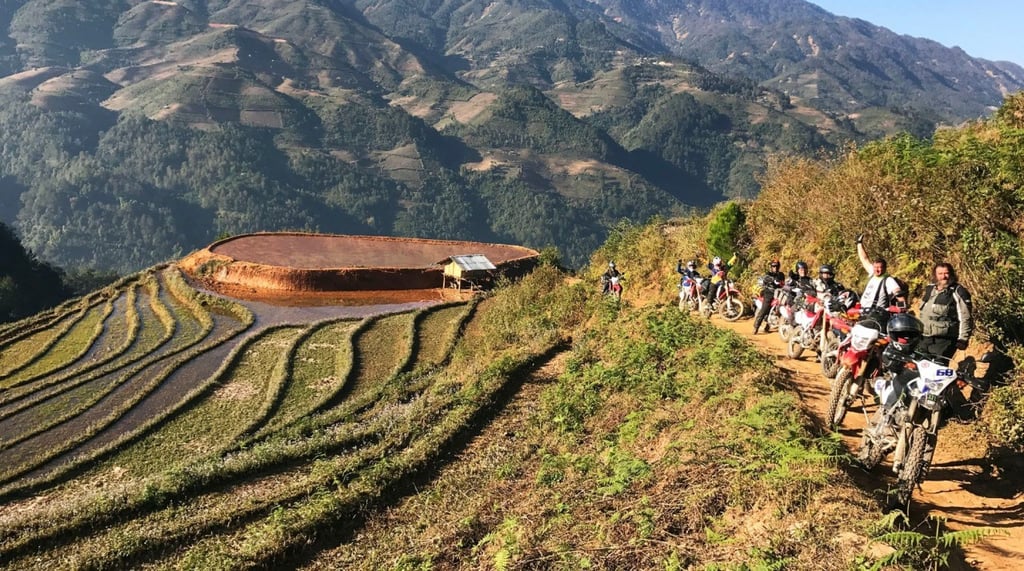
x=946, y=314
x=882, y=289
x=769, y=283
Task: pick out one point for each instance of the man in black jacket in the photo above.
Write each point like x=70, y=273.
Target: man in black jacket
x=946, y=314
x=769, y=282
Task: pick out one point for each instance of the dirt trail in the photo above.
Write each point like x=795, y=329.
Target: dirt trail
x=960, y=485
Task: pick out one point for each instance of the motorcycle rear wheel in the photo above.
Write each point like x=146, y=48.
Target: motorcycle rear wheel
x=830, y=360
x=870, y=454
x=794, y=348
x=731, y=309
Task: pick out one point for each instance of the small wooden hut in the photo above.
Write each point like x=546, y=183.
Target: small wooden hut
x=472, y=271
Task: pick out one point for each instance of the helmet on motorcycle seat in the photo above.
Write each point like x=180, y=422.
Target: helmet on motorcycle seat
x=800, y=266
x=768, y=281
x=716, y=261
x=826, y=269
x=905, y=332
x=611, y=265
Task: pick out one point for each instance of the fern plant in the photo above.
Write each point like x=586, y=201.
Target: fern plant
x=923, y=550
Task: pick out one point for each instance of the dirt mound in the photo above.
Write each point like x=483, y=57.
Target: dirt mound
x=296, y=262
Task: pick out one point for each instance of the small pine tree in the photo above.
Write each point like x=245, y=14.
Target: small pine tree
x=726, y=229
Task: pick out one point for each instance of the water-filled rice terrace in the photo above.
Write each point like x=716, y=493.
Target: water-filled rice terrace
x=153, y=424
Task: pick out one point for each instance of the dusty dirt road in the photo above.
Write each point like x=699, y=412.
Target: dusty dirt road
x=961, y=485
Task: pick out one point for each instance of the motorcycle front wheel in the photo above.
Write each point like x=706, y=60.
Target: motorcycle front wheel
x=913, y=466
x=838, y=398
x=785, y=330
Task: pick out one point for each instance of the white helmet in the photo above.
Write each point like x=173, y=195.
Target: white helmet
x=717, y=261
x=611, y=265
x=692, y=265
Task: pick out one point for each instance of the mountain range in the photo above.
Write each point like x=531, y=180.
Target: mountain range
x=134, y=131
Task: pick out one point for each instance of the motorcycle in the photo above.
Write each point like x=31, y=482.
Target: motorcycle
x=689, y=294
x=728, y=303
x=615, y=288
x=860, y=360
x=913, y=402
x=807, y=333
x=842, y=313
x=786, y=304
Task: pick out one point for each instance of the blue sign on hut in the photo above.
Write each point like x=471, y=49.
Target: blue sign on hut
x=473, y=271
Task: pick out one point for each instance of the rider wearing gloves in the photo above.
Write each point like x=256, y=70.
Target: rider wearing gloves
x=688, y=273
x=882, y=290
x=946, y=314
x=769, y=282
x=718, y=271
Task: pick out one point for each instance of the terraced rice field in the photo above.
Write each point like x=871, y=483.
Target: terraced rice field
x=154, y=425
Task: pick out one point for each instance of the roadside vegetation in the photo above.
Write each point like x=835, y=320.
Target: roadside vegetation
x=542, y=426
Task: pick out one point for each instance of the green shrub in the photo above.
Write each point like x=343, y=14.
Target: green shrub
x=725, y=230
x=1004, y=416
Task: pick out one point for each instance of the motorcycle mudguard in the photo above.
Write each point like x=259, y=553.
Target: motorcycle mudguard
x=853, y=360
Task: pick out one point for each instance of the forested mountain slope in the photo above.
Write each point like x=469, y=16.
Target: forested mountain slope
x=136, y=131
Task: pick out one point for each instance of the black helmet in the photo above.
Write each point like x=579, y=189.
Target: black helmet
x=905, y=332
x=800, y=265
x=826, y=269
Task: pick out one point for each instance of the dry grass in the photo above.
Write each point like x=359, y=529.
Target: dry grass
x=436, y=333
x=318, y=370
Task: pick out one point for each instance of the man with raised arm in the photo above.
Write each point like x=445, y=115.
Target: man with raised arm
x=882, y=290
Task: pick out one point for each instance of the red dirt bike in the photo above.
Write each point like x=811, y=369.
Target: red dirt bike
x=728, y=303
x=689, y=294
x=807, y=333
x=840, y=317
x=860, y=362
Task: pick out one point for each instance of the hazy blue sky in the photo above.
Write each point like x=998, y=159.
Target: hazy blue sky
x=989, y=29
